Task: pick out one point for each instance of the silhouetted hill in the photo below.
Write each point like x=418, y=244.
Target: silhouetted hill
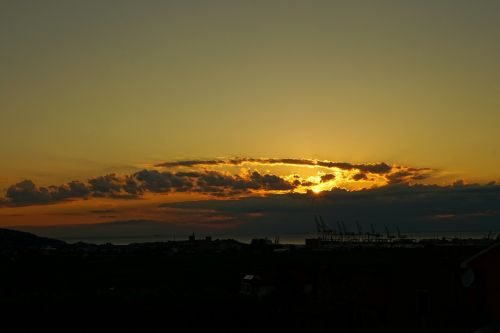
x=19, y=239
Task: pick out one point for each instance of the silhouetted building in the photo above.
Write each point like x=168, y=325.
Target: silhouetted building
x=481, y=279
x=313, y=243
x=261, y=242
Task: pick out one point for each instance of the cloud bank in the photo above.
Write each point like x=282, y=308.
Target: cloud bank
x=146, y=181
x=199, y=176
x=409, y=207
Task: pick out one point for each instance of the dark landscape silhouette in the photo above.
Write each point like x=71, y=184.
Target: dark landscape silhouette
x=324, y=286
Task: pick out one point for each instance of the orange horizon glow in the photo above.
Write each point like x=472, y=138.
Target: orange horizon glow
x=306, y=178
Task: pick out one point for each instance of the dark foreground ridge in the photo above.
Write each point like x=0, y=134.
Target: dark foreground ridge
x=227, y=286
x=19, y=239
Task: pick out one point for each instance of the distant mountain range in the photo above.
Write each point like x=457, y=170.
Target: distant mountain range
x=19, y=239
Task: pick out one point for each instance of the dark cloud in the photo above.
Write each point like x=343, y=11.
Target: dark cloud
x=412, y=208
x=406, y=176
x=359, y=176
x=189, y=174
x=74, y=189
x=217, y=182
x=398, y=177
x=327, y=177
x=215, y=179
x=106, y=185
x=113, y=186
x=208, y=182
x=292, y=161
x=152, y=181
x=190, y=163
x=270, y=182
x=27, y=192
x=102, y=211
x=211, y=182
x=131, y=187
x=379, y=168
x=78, y=189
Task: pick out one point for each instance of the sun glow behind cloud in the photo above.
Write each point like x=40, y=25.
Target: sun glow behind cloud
x=311, y=175
x=153, y=193
x=235, y=177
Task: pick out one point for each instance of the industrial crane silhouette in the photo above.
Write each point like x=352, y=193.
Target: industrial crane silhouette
x=341, y=233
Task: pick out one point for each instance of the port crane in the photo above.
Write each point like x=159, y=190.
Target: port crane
x=341, y=233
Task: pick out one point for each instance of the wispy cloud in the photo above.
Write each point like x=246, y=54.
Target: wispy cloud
x=380, y=168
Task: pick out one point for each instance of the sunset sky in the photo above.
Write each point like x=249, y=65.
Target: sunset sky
x=231, y=114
